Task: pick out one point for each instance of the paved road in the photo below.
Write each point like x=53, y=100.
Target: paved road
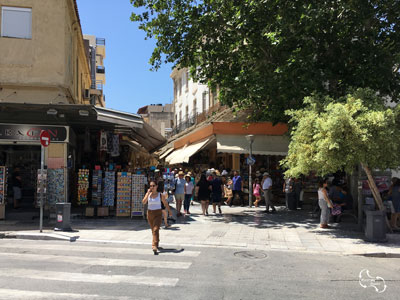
x=80, y=270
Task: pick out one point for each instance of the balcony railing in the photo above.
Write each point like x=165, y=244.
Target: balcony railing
x=195, y=119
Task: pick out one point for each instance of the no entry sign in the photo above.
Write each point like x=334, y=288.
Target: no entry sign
x=45, y=138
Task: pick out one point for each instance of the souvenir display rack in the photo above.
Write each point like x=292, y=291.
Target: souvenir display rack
x=97, y=179
x=138, y=190
x=83, y=186
x=55, y=186
x=109, y=188
x=3, y=186
x=124, y=185
x=41, y=179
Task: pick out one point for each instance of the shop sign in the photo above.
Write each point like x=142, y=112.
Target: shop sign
x=250, y=160
x=31, y=132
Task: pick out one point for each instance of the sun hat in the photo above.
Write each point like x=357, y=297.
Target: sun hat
x=266, y=174
x=181, y=173
x=224, y=172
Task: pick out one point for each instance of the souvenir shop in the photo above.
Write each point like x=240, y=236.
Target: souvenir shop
x=92, y=161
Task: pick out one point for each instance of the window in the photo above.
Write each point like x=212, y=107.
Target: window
x=194, y=107
x=187, y=80
x=16, y=22
x=204, y=101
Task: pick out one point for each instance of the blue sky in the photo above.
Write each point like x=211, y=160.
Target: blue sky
x=129, y=82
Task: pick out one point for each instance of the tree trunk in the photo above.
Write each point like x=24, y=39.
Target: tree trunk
x=375, y=192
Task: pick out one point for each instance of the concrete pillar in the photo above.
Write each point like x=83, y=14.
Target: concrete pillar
x=236, y=161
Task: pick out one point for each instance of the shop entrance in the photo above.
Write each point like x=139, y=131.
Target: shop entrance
x=26, y=160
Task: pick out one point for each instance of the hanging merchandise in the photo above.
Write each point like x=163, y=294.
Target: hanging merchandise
x=3, y=180
x=83, y=186
x=109, y=141
x=55, y=186
x=115, y=145
x=109, y=188
x=103, y=141
x=124, y=185
x=138, y=189
x=86, y=146
x=97, y=179
x=41, y=182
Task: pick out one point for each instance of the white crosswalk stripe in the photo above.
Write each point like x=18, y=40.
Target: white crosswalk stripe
x=75, y=265
x=11, y=294
x=79, y=248
x=94, y=278
x=98, y=261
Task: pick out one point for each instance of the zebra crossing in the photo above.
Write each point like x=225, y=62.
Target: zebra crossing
x=30, y=268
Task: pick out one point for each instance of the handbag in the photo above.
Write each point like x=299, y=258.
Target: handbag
x=336, y=210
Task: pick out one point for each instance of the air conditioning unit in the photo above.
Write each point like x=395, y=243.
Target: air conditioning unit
x=86, y=94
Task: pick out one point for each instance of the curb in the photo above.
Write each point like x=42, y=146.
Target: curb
x=41, y=236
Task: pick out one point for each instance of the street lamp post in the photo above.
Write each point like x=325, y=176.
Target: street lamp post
x=250, y=138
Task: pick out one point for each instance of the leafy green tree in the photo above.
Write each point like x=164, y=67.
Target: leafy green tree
x=267, y=55
x=331, y=135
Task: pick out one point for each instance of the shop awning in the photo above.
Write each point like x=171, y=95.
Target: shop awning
x=166, y=153
x=183, y=155
x=118, y=117
x=81, y=116
x=262, y=145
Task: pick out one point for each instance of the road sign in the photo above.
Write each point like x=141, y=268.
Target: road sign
x=250, y=160
x=45, y=138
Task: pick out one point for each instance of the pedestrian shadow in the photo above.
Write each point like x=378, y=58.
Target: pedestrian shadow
x=170, y=250
x=172, y=228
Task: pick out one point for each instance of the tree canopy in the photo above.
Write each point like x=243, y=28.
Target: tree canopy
x=340, y=135
x=268, y=55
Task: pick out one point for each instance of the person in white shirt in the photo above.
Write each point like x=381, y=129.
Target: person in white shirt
x=267, y=187
x=153, y=199
x=188, y=189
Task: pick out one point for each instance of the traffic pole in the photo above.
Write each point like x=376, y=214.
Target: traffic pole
x=41, y=187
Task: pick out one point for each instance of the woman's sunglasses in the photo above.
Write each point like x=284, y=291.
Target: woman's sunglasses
x=152, y=185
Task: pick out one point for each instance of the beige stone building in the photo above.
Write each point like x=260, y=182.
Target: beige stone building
x=39, y=65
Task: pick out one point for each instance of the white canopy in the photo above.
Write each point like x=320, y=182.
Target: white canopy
x=262, y=145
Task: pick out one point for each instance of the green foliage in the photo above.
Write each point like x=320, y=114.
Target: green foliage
x=355, y=129
x=267, y=55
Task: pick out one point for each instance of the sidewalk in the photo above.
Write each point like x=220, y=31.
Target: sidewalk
x=238, y=227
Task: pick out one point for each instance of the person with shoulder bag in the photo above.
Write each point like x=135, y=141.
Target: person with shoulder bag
x=154, y=201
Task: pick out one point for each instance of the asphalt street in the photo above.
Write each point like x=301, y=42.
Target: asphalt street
x=81, y=270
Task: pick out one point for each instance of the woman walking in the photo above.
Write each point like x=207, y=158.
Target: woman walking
x=228, y=192
x=256, y=192
x=395, y=193
x=216, y=188
x=153, y=199
x=203, y=193
x=188, y=189
x=324, y=203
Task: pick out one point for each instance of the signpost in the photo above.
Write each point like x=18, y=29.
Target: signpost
x=45, y=142
x=250, y=161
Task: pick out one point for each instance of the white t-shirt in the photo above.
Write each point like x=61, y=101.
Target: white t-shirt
x=154, y=203
x=189, y=188
x=267, y=183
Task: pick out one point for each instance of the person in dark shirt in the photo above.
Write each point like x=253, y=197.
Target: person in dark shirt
x=203, y=193
x=216, y=187
x=17, y=186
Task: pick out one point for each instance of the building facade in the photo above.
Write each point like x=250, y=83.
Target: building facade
x=159, y=116
x=96, y=54
x=38, y=65
x=193, y=101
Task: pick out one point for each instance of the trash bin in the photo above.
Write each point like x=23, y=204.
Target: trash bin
x=376, y=228
x=63, y=217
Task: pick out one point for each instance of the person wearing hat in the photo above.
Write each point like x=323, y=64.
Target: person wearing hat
x=188, y=189
x=179, y=192
x=267, y=188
